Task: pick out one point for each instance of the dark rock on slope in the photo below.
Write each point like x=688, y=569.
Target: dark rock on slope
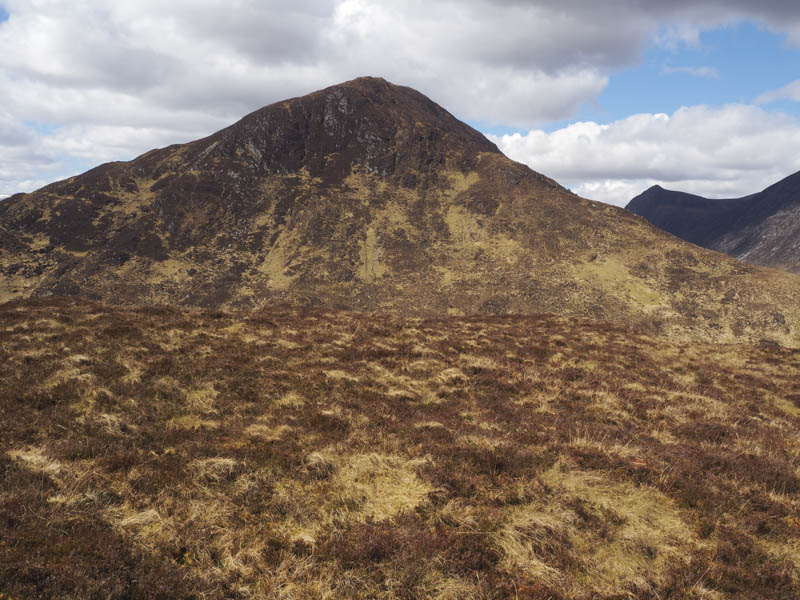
x=369, y=196
x=762, y=229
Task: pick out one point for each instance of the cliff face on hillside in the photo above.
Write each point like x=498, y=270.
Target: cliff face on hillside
x=761, y=229
x=369, y=196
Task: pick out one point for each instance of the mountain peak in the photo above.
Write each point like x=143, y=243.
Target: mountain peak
x=761, y=228
x=367, y=123
x=369, y=82
x=364, y=195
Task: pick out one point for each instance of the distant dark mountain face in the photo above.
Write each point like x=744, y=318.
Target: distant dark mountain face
x=762, y=229
x=369, y=196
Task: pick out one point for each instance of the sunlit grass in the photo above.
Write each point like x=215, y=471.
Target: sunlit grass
x=316, y=454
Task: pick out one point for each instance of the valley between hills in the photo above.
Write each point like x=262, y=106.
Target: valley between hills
x=345, y=348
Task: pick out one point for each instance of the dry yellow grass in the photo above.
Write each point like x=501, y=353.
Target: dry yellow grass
x=317, y=454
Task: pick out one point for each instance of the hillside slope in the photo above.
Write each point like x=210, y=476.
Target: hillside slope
x=287, y=453
x=369, y=196
x=761, y=229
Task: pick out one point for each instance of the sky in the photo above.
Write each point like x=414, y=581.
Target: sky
x=701, y=97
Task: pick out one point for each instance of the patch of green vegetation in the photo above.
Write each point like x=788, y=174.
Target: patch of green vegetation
x=612, y=275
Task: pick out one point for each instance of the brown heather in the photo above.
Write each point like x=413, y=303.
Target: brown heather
x=240, y=368
x=151, y=452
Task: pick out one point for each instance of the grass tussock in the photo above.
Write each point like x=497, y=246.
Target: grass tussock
x=159, y=453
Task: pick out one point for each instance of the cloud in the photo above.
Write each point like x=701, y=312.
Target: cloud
x=702, y=72
x=790, y=91
x=117, y=76
x=719, y=152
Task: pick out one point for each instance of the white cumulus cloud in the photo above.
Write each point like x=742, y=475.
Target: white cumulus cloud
x=96, y=80
x=721, y=152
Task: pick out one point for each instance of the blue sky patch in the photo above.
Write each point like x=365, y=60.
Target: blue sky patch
x=41, y=128
x=727, y=66
x=3, y=14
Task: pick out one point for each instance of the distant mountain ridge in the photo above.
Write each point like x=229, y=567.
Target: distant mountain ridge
x=371, y=197
x=762, y=229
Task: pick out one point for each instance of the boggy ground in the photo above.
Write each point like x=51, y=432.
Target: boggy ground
x=162, y=453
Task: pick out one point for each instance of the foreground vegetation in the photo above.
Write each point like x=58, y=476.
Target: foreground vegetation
x=160, y=453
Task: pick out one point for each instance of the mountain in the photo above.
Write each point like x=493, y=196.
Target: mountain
x=369, y=196
x=154, y=452
x=761, y=229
